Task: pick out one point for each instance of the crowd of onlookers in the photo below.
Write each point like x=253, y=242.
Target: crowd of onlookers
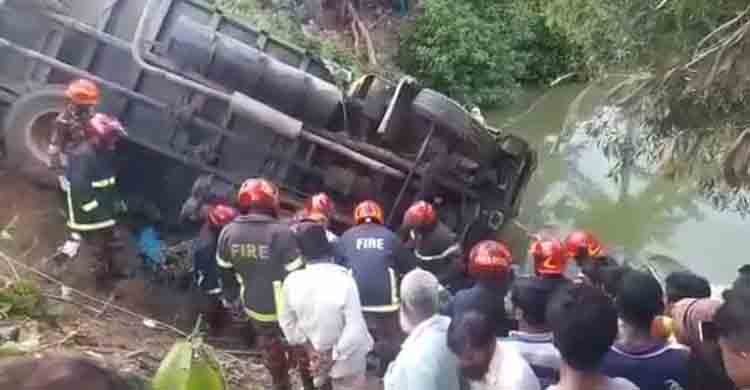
x=331, y=306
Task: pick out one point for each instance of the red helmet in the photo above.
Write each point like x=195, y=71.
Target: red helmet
x=550, y=257
x=420, y=215
x=581, y=243
x=220, y=215
x=489, y=260
x=319, y=208
x=83, y=92
x=106, y=129
x=258, y=194
x=368, y=211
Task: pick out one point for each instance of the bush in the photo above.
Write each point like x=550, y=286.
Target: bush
x=480, y=51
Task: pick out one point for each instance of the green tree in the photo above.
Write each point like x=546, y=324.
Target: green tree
x=480, y=51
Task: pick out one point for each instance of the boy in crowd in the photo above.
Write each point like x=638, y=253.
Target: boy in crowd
x=584, y=324
x=533, y=339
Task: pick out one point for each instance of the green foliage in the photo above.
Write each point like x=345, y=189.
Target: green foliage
x=625, y=33
x=284, y=23
x=21, y=298
x=480, y=51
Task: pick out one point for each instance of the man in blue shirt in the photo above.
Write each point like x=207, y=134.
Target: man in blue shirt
x=649, y=362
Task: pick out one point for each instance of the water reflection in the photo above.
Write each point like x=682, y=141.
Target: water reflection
x=638, y=212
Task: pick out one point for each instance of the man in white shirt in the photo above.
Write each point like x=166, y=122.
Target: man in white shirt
x=485, y=362
x=321, y=309
x=425, y=362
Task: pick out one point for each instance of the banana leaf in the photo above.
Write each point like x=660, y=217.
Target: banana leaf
x=189, y=365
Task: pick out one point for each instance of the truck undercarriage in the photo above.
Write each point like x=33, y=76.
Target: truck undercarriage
x=207, y=97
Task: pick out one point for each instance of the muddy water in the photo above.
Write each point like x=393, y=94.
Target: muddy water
x=642, y=216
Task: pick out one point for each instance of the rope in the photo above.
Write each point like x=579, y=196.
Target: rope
x=106, y=304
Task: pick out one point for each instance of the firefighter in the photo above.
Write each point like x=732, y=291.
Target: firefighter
x=377, y=259
x=490, y=266
x=205, y=271
x=92, y=198
x=256, y=250
x=582, y=246
x=319, y=208
x=550, y=258
x=70, y=126
x=435, y=246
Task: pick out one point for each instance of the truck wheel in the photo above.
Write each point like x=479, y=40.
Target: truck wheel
x=445, y=112
x=28, y=126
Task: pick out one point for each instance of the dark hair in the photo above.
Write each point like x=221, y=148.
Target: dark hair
x=532, y=295
x=470, y=329
x=684, y=284
x=611, y=277
x=732, y=319
x=584, y=323
x=743, y=279
x=639, y=299
x=593, y=269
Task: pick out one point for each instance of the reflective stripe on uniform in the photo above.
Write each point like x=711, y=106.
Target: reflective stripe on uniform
x=84, y=227
x=294, y=265
x=223, y=263
x=88, y=207
x=214, y=291
x=394, y=305
x=394, y=287
x=260, y=317
x=278, y=296
x=104, y=183
x=453, y=249
x=381, y=309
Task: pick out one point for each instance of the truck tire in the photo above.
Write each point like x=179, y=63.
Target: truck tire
x=445, y=112
x=27, y=128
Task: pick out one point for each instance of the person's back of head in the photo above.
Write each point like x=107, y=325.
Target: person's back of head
x=530, y=296
x=584, y=323
x=743, y=278
x=683, y=284
x=732, y=322
x=611, y=277
x=639, y=299
x=471, y=337
x=312, y=241
x=419, y=298
x=58, y=373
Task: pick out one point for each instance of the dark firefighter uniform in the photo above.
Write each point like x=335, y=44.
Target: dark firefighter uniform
x=92, y=199
x=490, y=265
x=260, y=251
x=376, y=259
x=439, y=252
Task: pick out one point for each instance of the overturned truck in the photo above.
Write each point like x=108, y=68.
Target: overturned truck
x=204, y=94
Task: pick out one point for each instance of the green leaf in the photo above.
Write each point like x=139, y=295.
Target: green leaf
x=174, y=371
x=190, y=365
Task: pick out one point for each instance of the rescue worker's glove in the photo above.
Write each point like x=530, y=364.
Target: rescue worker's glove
x=69, y=249
x=55, y=159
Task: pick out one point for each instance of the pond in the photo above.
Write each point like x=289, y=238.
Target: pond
x=641, y=216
